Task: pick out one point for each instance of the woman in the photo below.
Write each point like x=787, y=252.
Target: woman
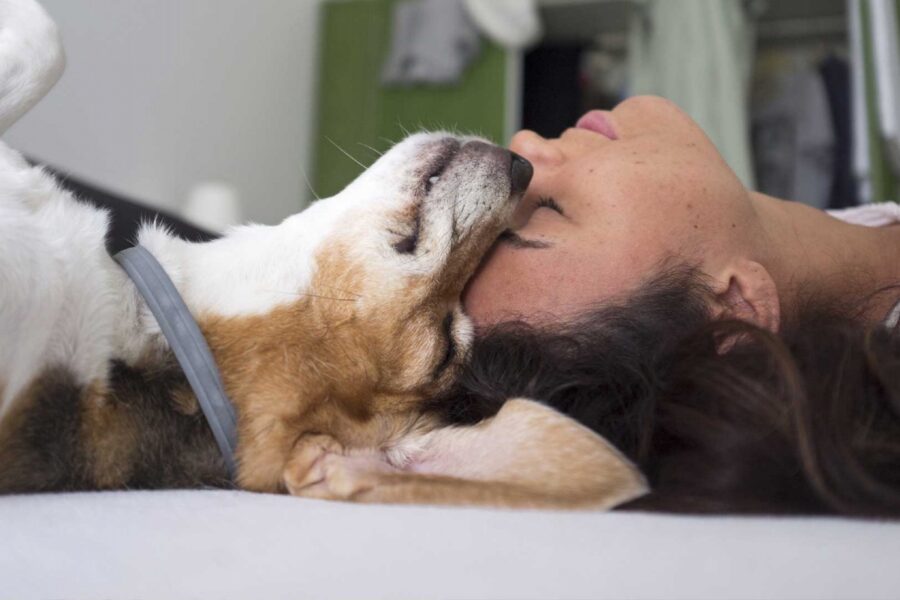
x=740, y=348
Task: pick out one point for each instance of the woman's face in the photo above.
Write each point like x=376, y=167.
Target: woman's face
x=609, y=201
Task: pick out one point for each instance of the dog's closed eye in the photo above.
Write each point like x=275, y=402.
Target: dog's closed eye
x=408, y=244
x=433, y=174
x=450, y=352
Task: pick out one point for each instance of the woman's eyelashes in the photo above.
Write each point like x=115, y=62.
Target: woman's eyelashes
x=549, y=202
x=514, y=240
x=528, y=209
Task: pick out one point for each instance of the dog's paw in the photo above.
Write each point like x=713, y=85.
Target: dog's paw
x=344, y=476
x=306, y=466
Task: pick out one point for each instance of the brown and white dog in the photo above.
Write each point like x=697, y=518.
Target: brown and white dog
x=330, y=329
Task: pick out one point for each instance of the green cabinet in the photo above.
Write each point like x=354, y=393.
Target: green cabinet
x=360, y=116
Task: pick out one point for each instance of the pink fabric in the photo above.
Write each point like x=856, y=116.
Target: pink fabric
x=874, y=215
x=870, y=215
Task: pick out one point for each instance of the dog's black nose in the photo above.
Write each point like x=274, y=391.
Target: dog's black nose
x=520, y=172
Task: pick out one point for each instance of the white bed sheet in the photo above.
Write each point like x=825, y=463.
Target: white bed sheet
x=220, y=544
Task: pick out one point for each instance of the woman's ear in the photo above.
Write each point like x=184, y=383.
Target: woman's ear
x=745, y=290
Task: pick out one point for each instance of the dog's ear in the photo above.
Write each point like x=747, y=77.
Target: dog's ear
x=528, y=455
x=535, y=455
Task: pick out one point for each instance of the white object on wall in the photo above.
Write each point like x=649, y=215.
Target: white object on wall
x=513, y=24
x=214, y=206
x=862, y=164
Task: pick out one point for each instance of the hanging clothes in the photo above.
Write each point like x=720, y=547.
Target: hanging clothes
x=432, y=42
x=793, y=134
x=699, y=54
x=513, y=24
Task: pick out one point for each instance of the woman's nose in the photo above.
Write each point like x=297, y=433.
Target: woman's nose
x=538, y=150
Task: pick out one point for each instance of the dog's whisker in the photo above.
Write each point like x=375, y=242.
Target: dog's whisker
x=328, y=297
x=347, y=154
x=334, y=289
x=376, y=151
x=308, y=295
x=308, y=184
x=346, y=292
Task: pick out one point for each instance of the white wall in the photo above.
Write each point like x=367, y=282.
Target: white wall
x=161, y=94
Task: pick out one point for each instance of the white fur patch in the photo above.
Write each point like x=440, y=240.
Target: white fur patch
x=58, y=286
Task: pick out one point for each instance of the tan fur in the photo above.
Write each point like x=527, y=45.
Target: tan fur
x=185, y=402
x=320, y=365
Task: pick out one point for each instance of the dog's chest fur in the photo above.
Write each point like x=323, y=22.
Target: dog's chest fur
x=143, y=431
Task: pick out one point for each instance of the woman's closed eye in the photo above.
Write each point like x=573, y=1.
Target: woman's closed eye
x=512, y=237
x=516, y=241
x=549, y=202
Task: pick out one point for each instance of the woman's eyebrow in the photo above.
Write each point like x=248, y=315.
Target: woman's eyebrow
x=516, y=241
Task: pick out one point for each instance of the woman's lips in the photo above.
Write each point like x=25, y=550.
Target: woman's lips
x=597, y=121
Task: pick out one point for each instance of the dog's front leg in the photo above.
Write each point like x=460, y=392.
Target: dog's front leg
x=528, y=455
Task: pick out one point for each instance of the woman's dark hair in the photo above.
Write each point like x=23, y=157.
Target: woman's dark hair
x=803, y=421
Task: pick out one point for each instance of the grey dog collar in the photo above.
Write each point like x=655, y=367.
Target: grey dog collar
x=187, y=342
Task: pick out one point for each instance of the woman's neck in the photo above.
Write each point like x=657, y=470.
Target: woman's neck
x=811, y=254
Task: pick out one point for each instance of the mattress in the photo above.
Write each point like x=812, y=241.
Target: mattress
x=231, y=544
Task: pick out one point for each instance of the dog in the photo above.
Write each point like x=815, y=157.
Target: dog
x=330, y=329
